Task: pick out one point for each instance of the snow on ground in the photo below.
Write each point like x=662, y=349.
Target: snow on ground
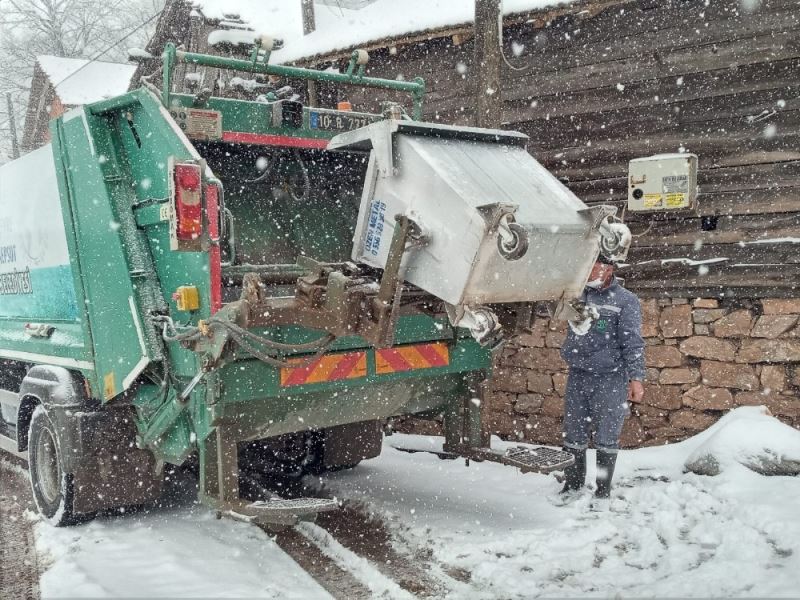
x=180, y=552
x=667, y=533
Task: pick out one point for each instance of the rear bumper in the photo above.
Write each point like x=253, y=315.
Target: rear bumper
x=264, y=402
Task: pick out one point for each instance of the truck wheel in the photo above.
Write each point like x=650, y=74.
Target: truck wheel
x=52, y=488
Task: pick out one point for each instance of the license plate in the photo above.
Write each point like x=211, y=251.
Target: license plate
x=337, y=121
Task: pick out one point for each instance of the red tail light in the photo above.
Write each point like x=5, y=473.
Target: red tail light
x=188, y=206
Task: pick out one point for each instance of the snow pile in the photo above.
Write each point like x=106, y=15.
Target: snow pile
x=751, y=437
x=342, y=29
x=78, y=81
x=275, y=18
x=388, y=18
x=232, y=37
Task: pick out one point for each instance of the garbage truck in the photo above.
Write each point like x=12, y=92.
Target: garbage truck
x=254, y=286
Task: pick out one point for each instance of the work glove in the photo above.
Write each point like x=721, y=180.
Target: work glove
x=582, y=325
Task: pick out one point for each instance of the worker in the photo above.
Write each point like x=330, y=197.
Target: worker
x=605, y=355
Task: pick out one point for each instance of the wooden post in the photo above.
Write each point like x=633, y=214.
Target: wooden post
x=12, y=125
x=487, y=62
x=309, y=21
x=309, y=25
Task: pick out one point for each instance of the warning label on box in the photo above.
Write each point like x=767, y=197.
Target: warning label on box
x=675, y=184
x=675, y=200
x=652, y=200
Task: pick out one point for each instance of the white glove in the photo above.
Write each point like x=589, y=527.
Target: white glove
x=582, y=326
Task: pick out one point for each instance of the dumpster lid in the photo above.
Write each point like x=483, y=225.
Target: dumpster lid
x=362, y=138
x=378, y=137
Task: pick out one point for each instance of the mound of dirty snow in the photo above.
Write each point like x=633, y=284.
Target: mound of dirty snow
x=748, y=436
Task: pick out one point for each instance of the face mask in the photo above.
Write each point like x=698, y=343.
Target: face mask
x=595, y=284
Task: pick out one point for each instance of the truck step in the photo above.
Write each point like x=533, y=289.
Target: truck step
x=538, y=459
x=297, y=507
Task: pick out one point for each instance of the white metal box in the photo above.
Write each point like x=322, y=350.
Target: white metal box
x=664, y=182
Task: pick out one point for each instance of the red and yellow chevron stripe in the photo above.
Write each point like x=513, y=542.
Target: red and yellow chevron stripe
x=330, y=367
x=408, y=358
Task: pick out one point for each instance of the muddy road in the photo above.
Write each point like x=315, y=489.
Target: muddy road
x=19, y=569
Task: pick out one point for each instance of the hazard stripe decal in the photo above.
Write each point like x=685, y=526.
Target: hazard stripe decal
x=330, y=367
x=352, y=365
x=408, y=358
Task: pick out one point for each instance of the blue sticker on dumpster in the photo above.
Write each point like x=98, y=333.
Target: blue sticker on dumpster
x=375, y=224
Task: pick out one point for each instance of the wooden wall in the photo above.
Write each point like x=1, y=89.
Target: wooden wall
x=608, y=83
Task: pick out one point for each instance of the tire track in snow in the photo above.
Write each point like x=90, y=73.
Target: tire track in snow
x=365, y=571
x=367, y=536
x=339, y=582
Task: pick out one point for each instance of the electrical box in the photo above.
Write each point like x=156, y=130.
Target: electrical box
x=664, y=182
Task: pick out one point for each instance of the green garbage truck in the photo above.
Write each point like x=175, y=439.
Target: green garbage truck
x=254, y=286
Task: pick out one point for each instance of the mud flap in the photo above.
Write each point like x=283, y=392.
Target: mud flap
x=346, y=445
x=111, y=472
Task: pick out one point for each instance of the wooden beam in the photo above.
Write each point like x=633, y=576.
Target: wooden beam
x=310, y=25
x=486, y=69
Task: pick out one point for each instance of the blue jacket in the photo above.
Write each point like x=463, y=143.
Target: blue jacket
x=615, y=340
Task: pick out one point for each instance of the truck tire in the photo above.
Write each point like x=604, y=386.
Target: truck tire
x=53, y=489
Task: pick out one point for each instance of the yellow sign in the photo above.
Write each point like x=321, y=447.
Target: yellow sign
x=652, y=200
x=675, y=199
x=109, y=387
x=187, y=297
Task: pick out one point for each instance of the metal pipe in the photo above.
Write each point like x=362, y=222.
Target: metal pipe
x=168, y=62
x=171, y=56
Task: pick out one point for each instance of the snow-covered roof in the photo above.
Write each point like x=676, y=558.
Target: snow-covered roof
x=340, y=29
x=79, y=81
x=277, y=18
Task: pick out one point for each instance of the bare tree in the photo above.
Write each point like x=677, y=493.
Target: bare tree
x=69, y=28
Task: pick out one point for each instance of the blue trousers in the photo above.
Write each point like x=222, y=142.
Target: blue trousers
x=598, y=403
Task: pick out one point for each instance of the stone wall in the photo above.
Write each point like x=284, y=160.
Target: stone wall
x=703, y=358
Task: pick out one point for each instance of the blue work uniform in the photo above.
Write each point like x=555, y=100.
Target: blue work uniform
x=601, y=363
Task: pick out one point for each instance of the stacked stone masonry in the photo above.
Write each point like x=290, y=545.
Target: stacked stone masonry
x=704, y=357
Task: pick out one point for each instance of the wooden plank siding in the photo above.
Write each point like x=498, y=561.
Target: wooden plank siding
x=606, y=81
x=646, y=77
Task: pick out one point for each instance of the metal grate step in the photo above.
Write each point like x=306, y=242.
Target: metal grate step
x=294, y=506
x=537, y=460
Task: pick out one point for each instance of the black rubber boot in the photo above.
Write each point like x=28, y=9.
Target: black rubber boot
x=606, y=461
x=575, y=475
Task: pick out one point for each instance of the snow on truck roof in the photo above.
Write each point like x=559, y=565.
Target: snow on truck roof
x=340, y=29
x=79, y=81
